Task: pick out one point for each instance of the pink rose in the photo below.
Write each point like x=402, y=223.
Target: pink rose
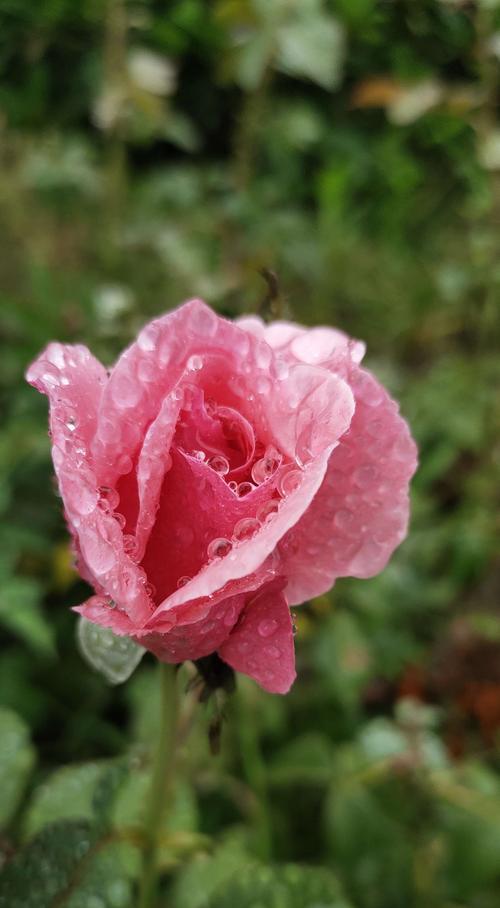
x=221, y=473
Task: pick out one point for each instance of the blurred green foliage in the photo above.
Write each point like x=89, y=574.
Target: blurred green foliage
x=154, y=151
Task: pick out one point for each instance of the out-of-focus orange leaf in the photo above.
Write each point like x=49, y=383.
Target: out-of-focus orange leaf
x=377, y=91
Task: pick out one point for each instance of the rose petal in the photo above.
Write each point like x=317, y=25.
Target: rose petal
x=360, y=513
x=100, y=611
x=198, y=638
x=261, y=645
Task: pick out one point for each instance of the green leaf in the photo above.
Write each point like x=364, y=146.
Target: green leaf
x=114, y=657
x=197, y=882
x=20, y=612
x=66, y=865
x=313, y=48
x=17, y=757
x=288, y=886
x=67, y=794
x=129, y=805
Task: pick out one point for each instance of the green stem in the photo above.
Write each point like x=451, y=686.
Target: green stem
x=161, y=784
x=255, y=772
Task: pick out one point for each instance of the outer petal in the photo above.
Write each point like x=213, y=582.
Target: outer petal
x=261, y=645
x=305, y=345
x=97, y=609
x=74, y=382
x=199, y=638
x=360, y=513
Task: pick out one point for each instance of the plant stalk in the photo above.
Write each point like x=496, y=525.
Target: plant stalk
x=161, y=784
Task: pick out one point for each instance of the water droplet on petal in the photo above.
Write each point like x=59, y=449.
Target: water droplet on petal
x=245, y=528
x=244, y=488
x=268, y=510
x=148, y=338
x=199, y=455
x=219, y=547
x=272, y=651
x=267, y=627
x=195, y=363
x=263, y=384
x=124, y=464
x=290, y=482
x=265, y=467
x=71, y=422
x=281, y=369
x=344, y=519
x=182, y=581
x=150, y=589
x=130, y=546
x=230, y=616
x=108, y=498
x=220, y=464
x=233, y=485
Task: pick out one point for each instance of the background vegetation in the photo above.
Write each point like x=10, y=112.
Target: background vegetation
x=154, y=151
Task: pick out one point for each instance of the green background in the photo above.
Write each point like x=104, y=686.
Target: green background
x=155, y=151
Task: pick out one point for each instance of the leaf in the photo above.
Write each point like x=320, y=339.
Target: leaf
x=129, y=804
x=288, y=886
x=17, y=757
x=114, y=657
x=67, y=794
x=20, y=613
x=312, y=47
x=66, y=865
x=196, y=883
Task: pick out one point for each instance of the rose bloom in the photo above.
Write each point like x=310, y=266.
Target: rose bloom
x=221, y=473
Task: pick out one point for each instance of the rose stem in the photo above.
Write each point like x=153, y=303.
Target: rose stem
x=254, y=769
x=161, y=783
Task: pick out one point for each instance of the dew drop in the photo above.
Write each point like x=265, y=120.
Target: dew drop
x=130, y=546
x=71, y=422
x=344, y=519
x=230, y=616
x=267, y=627
x=195, y=363
x=282, y=370
x=199, y=455
x=148, y=338
x=265, y=467
x=290, y=482
x=245, y=528
x=220, y=464
x=150, y=589
x=233, y=485
x=263, y=384
x=124, y=464
x=267, y=511
x=182, y=581
x=244, y=488
x=219, y=547
x=147, y=370
x=272, y=651
x=108, y=498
